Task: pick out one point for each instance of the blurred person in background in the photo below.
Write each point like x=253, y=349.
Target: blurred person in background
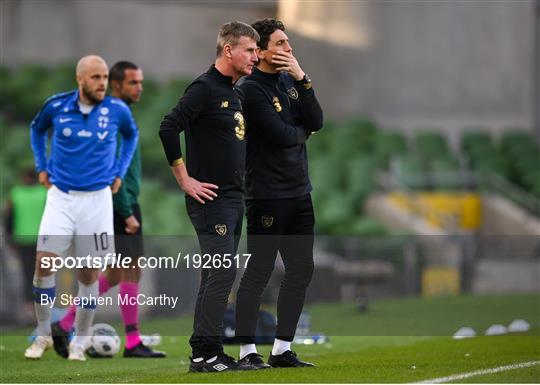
x=24, y=208
x=210, y=115
x=82, y=171
x=281, y=112
x=126, y=80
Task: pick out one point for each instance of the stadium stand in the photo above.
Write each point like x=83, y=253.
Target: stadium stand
x=346, y=158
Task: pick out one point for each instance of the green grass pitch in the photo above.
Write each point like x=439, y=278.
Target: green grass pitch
x=397, y=340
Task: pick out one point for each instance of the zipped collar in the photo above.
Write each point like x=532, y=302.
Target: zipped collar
x=213, y=71
x=271, y=78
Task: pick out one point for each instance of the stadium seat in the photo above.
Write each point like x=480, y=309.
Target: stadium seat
x=334, y=214
x=327, y=172
x=5, y=75
x=496, y=163
x=523, y=156
x=512, y=138
x=431, y=145
x=445, y=173
x=319, y=142
x=472, y=140
x=353, y=137
x=524, y=166
x=389, y=145
x=22, y=103
x=360, y=175
x=409, y=171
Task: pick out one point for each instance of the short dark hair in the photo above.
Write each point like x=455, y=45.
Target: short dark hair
x=230, y=33
x=118, y=70
x=265, y=28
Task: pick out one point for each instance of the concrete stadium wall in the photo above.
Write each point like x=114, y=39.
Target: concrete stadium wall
x=166, y=38
x=409, y=64
x=421, y=64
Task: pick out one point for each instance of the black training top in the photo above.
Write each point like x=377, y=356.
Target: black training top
x=210, y=114
x=280, y=116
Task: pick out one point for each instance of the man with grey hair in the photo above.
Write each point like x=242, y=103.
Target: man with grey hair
x=210, y=114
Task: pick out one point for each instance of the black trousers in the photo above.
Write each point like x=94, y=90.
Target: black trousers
x=27, y=255
x=129, y=245
x=284, y=225
x=219, y=226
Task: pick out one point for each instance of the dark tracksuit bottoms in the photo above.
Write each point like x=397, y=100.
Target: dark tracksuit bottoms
x=290, y=233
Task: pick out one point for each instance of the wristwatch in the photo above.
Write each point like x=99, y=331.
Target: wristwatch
x=306, y=82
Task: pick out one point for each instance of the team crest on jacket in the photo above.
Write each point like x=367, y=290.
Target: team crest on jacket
x=275, y=102
x=267, y=220
x=240, y=129
x=293, y=94
x=221, y=229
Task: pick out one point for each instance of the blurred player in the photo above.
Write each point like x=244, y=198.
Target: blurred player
x=25, y=200
x=81, y=173
x=210, y=114
x=126, y=80
x=281, y=112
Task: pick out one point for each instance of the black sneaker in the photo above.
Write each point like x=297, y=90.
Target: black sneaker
x=60, y=339
x=287, y=360
x=143, y=351
x=196, y=367
x=223, y=363
x=255, y=360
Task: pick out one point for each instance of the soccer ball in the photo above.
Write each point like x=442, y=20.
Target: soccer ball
x=103, y=341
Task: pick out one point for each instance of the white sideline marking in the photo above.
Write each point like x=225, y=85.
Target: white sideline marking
x=462, y=376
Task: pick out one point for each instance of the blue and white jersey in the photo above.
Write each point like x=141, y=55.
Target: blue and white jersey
x=84, y=147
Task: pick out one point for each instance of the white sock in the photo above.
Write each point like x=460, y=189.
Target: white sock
x=44, y=287
x=78, y=340
x=280, y=347
x=247, y=349
x=85, y=316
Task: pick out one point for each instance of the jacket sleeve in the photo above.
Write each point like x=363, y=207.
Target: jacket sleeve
x=130, y=136
x=266, y=118
x=186, y=111
x=38, y=136
x=311, y=111
x=121, y=202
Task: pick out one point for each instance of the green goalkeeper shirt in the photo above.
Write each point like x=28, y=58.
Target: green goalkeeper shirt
x=127, y=196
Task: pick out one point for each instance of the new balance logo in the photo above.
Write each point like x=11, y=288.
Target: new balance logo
x=63, y=120
x=220, y=367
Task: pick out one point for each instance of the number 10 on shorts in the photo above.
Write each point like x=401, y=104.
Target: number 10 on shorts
x=101, y=241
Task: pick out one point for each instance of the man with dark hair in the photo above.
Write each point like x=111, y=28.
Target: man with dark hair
x=210, y=114
x=281, y=112
x=126, y=80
